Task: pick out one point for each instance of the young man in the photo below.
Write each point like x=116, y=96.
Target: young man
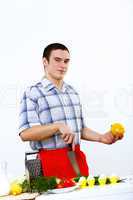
x=51, y=117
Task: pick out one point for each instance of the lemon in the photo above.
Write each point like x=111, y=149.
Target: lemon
x=118, y=130
x=91, y=181
x=15, y=189
x=113, y=179
x=102, y=180
x=82, y=182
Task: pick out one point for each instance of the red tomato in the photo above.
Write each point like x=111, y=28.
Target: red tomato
x=69, y=183
x=60, y=185
x=66, y=183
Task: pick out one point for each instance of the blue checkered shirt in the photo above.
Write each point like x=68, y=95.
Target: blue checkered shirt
x=43, y=104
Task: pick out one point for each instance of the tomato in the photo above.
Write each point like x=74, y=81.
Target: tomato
x=69, y=183
x=60, y=185
x=66, y=183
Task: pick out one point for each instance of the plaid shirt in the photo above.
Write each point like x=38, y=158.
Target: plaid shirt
x=43, y=104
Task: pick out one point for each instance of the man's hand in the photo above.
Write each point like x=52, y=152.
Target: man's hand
x=108, y=138
x=67, y=135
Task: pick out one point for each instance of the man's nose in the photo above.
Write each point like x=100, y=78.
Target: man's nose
x=63, y=65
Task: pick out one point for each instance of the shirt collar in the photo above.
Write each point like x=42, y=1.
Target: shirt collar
x=48, y=85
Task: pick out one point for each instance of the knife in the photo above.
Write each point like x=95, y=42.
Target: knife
x=73, y=160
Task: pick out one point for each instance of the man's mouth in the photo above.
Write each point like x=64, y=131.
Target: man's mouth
x=62, y=71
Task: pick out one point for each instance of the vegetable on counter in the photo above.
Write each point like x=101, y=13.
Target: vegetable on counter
x=66, y=183
x=42, y=184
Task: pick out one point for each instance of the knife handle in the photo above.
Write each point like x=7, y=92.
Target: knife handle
x=70, y=147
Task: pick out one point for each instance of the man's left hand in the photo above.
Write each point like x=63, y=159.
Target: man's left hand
x=108, y=138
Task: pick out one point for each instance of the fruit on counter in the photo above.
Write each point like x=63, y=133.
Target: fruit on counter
x=58, y=180
x=40, y=184
x=15, y=188
x=69, y=183
x=23, y=182
x=118, y=130
x=102, y=180
x=59, y=186
x=113, y=179
x=82, y=182
x=66, y=183
x=90, y=181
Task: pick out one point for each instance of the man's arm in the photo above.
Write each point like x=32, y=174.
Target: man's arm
x=90, y=135
x=43, y=132
x=39, y=133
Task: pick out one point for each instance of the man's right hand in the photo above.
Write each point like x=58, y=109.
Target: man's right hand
x=67, y=135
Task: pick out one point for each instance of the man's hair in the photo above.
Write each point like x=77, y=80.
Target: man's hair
x=54, y=46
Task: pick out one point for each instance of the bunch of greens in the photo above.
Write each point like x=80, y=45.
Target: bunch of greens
x=39, y=184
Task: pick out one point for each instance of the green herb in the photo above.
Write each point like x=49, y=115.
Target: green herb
x=76, y=179
x=42, y=184
x=52, y=183
x=25, y=186
x=39, y=184
x=96, y=180
x=108, y=180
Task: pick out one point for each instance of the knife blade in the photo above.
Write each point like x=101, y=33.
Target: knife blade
x=73, y=160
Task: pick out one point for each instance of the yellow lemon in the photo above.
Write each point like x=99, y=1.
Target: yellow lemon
x=113, y=179
x=15, y=189
x=117, y=129
x=91, y=182
x=82, y=182
x=102, y=180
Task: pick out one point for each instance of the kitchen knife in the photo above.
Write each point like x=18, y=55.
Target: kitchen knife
x=73, y=160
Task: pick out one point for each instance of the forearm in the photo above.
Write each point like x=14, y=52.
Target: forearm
x=39, y=132
x=90, y=135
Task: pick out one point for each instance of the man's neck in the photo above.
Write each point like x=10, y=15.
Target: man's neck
x=58, y=83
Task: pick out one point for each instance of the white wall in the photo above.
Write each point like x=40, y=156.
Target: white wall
x=98, y=34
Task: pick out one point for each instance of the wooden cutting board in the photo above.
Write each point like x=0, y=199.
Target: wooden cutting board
x=23, y=196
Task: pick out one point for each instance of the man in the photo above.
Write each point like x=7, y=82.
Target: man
x=51, y=117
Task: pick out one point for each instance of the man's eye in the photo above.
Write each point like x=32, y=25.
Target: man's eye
x=57, y=59
x=66, y=61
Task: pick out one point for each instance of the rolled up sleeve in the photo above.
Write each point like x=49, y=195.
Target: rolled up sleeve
x=28, y=115
x=83, y=121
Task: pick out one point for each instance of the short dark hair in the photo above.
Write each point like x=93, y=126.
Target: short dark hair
x=54, y=46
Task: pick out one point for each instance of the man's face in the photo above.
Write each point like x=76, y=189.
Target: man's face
x=57, y=65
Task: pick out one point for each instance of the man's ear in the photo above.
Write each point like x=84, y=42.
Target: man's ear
x=44, y=61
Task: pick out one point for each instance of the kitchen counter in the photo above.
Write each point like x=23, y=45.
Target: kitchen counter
x=122, y=191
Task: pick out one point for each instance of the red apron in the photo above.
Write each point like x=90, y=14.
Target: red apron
x=55, y=162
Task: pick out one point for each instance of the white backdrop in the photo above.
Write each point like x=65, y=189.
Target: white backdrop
x=98, y=34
